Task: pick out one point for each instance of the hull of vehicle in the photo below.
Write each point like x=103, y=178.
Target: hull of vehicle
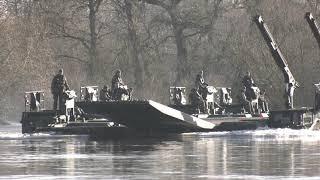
x=158, y=117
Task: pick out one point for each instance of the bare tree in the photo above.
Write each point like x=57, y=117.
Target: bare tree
x=75, y=29
x=126, y=10
x=178, y=27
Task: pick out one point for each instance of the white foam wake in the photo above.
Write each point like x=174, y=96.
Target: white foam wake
x=16, y=135
x=269, y=134
x=20, y=136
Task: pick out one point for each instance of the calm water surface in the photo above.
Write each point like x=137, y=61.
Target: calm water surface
x=260, y=154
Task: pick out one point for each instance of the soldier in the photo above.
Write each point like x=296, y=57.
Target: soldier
x=196, y=100
x=200, y=84
x=118, y=87
x=246, y=104
x=247, y=80
x=201, y=88
x=177, y=96
x=105, y=94
x=228, y=97
x=58, y=86
x=291, y=85
x=263, y=104
x=249, y=84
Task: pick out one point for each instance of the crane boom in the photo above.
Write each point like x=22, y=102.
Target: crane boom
x=316, y=32
x=314, y=26
x=282, y=63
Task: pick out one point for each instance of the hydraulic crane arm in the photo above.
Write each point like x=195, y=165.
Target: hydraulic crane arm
x=279, y=58
x=314, y=26
x=316, y=32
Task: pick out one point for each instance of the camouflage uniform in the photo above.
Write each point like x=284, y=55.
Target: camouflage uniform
x=58, y=86
x=116, y=81
x=290, y=87
x=196, y=101
x=247, y=80
x=246, y=104
x=248, y=83
x=201, y=86
x=105, y=94
x=117, y=86
x=263, y=104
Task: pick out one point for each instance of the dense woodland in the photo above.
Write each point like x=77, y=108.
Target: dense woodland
x=156, y=43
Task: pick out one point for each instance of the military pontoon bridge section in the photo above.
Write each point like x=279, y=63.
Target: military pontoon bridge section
x=147, y=114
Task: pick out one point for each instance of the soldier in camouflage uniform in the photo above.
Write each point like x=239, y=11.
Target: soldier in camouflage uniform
x=201, y=88
x=262, y=101
x=118, y=88
x=246, y=103
x=58, y=86
x=248, y=80
x=200, y=85
x=105, y=94
x=196, y=101
x=116, y=81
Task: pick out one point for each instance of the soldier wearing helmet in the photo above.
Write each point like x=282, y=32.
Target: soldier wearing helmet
x=196, y=101
x=201, y=87
x=248, y=80
x=58, y=86
x=118, y=88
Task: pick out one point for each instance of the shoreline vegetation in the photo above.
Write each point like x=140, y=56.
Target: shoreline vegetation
x=156, y=44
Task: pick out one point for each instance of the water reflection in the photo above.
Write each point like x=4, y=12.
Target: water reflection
x=247, y=155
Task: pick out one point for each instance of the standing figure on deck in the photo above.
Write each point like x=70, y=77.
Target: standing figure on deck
x=118, y=88
x=201, y=88
x=58, y=86
x=263, y=104
x=246, y=104
x=247, y=80
x=196, y=101
x=291, y=85
x=252, y=92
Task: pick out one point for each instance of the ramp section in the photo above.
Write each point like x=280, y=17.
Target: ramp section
x=147, y=115
x=181, y=116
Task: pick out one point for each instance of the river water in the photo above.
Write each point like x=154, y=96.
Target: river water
x=259, y=154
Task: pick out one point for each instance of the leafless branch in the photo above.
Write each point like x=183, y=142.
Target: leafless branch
x=71, y=58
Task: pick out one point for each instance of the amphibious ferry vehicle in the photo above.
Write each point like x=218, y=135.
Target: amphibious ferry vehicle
x=127, y=118
x=130, y=117
x=136, y=118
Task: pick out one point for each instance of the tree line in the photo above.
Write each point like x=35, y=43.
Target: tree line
x=156, y=43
